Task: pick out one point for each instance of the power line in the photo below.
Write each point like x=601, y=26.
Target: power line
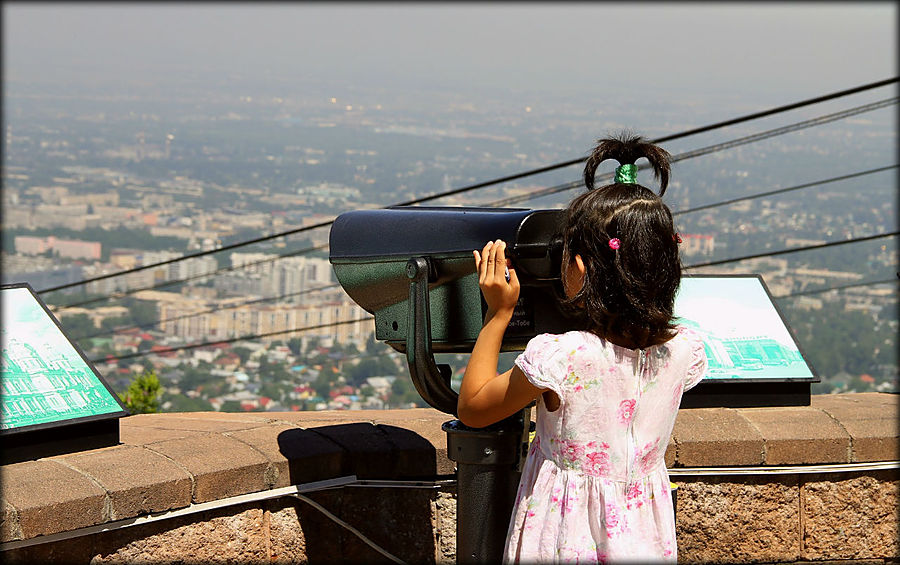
x=894, y=280
x=186, y=257
x=567, y=186
x=123, y=294
x=783, y=190
x=208, y=311
x=694, y=131
x=303, y=251
x=792, y=250
x=686, y=211
x=224, y=341
x=344, y=322
x=702, y=129
x=710, y=149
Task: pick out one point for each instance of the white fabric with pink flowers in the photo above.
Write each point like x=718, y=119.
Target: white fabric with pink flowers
x=595, y=487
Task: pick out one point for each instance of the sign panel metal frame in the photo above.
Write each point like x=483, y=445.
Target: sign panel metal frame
x=747, y=391
x=60, y=434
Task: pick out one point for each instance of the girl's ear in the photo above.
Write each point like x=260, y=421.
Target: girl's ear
x=573, y=278
x=579, y=264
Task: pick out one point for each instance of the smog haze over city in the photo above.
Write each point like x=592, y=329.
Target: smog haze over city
x=140, y=133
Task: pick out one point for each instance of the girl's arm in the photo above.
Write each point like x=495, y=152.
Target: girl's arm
x=484, y=396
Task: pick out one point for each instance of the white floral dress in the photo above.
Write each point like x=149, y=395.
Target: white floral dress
x=595, y=487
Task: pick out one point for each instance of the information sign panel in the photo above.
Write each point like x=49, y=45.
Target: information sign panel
x=746, y=339
x=47, y=381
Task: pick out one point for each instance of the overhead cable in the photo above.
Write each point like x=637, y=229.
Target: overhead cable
x=894, y=280
x=793, y=250
x=230, y=340
x=665, y=138
x=452, y=192
x=709, y=149
x=784, y=190
x=123, y=294
x=208, y=311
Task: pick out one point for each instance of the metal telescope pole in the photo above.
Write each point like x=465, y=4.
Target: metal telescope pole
x=487, y=478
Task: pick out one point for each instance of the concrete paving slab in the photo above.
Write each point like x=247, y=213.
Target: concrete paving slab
x=221, y=466
x=49, y=497
x=798, y=435
x=138, y=481
x=710, y=437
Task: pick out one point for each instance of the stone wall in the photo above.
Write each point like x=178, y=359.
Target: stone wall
x=754, y=485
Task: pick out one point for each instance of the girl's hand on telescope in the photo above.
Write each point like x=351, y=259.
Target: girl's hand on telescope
x=497, y=280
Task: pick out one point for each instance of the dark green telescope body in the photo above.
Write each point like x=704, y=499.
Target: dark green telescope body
x=370, y=249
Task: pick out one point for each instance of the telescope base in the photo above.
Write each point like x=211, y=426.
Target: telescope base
x=487, y=474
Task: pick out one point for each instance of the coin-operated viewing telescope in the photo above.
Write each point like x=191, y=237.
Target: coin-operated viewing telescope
x=414, y=270
x=412, y=267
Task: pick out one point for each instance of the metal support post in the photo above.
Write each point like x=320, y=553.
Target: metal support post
x=487, y=474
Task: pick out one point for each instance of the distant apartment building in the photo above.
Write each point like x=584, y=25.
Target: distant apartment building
x=190, y=270
x=65, y=248
x=697, y=244
x=335, y=322
x=294, y=279
x=110, y=198
x=44, y=278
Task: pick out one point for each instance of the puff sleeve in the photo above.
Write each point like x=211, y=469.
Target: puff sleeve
x=698, y=362
x=543, y=362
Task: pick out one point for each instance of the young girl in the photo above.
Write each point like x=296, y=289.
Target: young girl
x=594, y=487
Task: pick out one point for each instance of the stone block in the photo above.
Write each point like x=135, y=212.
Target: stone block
x=866, y=405
x=871, y=421
x=144, y=435
x=426, y=423
x=296, y=456
x=287, y=541
x=752, y=519
x=49, y=497
x=715, y=437
x=414, y=456
x=853, y=516
x=445, y=526
x=798, y=435
x=227, y=535
x=137, y=480
x=367, y=450
x=197, y=421
x=221, y=466
x=873, y=440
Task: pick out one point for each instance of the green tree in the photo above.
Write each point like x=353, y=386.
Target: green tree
x=142, y=396
x=242, y=352
x=295, y=345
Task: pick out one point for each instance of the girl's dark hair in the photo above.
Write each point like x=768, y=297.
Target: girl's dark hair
x=629, y=292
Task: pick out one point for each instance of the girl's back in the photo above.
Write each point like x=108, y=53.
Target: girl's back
x=595, y=485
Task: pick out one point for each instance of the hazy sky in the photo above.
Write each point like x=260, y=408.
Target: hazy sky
x=653, y=49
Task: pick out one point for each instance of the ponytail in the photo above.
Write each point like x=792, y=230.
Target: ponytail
x=626, y=149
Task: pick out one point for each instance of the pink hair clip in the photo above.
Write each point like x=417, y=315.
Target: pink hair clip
x=614, y=243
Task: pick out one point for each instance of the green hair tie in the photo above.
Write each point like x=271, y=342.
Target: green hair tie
x=626, y=174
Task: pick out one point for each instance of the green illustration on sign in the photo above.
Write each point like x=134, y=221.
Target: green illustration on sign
x=743, y=334
x=44, y=379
